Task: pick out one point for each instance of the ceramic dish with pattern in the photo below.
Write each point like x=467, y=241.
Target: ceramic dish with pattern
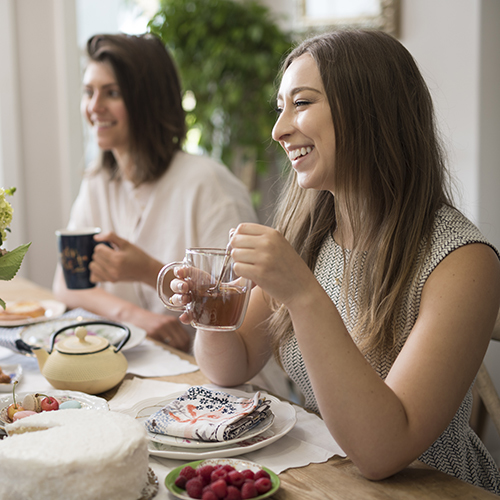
x=53, y=309
x=14, y=372
x=284, y=420
x=87, y=401
x=239, y=465
x=141, y=411
x=40, y=334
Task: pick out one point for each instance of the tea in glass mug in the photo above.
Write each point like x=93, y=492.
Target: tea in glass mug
x=219, y=296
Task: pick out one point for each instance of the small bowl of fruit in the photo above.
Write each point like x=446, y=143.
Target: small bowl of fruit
x=222, y=478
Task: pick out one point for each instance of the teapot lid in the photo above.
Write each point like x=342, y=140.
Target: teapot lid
x=81, y=343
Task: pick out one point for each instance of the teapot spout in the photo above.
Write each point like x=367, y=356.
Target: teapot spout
x=41, y=356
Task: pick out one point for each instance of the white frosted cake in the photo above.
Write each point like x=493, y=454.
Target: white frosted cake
x=74, y=455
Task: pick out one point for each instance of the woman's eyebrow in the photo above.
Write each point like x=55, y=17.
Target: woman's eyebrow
x=297, y=90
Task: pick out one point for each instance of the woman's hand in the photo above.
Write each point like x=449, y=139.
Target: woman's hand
x=123, y=262
x=186, y=279
x=264, y=256
x=164, y=328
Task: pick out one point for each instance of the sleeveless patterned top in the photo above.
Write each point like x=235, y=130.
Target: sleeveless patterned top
x=458, y=451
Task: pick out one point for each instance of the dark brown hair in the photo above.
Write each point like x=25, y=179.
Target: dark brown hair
x=151, y=90
x=389, y=176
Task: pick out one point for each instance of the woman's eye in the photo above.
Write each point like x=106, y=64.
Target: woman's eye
x=278, y=110
x=114, y=93
x=301, y=103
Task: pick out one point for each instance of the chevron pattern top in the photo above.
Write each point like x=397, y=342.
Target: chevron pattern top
x=458, y=451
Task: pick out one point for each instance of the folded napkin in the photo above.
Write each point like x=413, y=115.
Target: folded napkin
x=209, y=415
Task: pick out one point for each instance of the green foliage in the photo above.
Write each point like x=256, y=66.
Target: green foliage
x=228, y=54
x=10, y=264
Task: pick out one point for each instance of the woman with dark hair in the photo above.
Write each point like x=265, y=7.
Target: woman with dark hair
x=375, y=294
x=151, y=199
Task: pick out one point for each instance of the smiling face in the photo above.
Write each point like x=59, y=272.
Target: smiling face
x=305, y=127
x=103, y=107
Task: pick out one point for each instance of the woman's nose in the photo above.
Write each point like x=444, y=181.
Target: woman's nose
x=95, y=103
x=282, y=127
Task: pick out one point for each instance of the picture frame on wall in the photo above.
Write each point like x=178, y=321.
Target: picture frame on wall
x=315, y=15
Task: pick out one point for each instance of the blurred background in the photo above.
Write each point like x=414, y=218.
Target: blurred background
x=44, y=145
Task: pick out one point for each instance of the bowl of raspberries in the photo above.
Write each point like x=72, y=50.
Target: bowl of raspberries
x=222, y=479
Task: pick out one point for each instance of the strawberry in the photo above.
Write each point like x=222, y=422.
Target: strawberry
x=218, y=474
x=219, y=487
x=233, y=493
x=209, y=495
x=248, y=474
x=263, y=485
x=248, y=490
x=261, y=473
x=188, y=472
x=194, y=487
x=235, y=478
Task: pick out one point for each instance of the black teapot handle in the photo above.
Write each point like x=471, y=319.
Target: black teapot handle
x=96, y=322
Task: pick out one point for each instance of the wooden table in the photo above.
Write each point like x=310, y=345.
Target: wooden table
x=336, y=479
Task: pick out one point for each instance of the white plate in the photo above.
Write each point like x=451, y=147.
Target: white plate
x=284, y=421
x=40, y=334
x=53, y=309
x=87, y=401
x=141, y=411
x=15, y=372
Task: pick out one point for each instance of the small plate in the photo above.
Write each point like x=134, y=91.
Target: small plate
x=237, y=464
x=285, y=418
x=40, y=334
x=15, y=372
x=87, y=401
x=53, y=309
x=141, y=411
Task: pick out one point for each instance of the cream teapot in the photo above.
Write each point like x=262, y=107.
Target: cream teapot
x=83, y=362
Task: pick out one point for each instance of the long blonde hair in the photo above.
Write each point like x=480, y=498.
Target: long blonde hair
x=389, y=176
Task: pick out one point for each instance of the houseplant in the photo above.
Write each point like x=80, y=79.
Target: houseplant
x=10, y=262
x=228, y=54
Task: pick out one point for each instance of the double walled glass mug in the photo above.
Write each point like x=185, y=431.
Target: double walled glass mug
x=219, y=298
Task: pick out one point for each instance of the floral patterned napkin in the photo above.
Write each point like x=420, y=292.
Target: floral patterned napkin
x=209, y=415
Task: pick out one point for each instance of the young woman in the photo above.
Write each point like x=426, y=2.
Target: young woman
x=151, y=199
x=376, y=295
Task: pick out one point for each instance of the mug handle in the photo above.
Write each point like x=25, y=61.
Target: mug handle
x=159, y=286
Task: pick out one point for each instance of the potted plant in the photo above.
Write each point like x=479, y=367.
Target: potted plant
x=228, y=54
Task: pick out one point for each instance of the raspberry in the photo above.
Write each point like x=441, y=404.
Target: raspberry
x=219, y=487
x=263, y=485
x=248, y=474
x=228, y=468
x=194, y=487
x=233, y=493
x=235, y=478
x=261, y=473
x=180, y=482
x=209, y=495
x=204, y=472
x=218, y=474
x=248, y=490
x=188, y=472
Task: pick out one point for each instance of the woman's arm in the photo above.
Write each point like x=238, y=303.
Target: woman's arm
x=96, y=300
x=233, y=358
x=398, y=418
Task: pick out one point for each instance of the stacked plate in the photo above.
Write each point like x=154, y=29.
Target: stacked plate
x=281, y=421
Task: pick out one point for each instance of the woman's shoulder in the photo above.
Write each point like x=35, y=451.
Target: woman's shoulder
x=202, y=170
x=452, y=230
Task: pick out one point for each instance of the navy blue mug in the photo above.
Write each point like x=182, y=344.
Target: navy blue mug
x=76, y=247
